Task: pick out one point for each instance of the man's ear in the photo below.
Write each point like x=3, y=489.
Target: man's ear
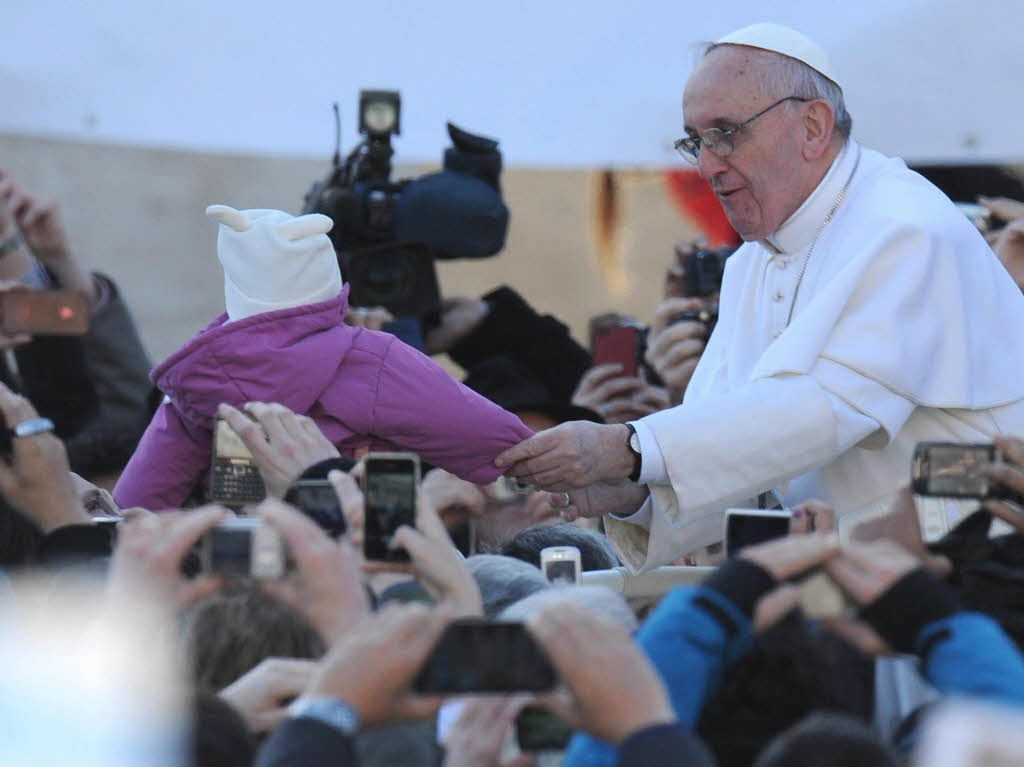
x=817, y=124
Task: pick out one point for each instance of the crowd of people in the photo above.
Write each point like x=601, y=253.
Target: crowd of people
x=863, y=314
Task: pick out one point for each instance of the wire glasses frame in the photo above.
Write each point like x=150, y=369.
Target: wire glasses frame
x=720, y=141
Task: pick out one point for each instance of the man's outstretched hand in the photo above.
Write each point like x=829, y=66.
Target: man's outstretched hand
x=569, y=456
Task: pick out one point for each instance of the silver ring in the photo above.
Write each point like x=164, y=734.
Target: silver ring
x=560, y=500
x=32, y=427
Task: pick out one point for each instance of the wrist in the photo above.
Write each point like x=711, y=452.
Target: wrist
x=624, y=458
x=333, y=712
x=639, y=720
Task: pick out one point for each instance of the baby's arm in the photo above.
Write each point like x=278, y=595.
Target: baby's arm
x=420, y=407
x=165, y=466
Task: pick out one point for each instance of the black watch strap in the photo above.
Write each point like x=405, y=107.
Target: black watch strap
x=637, y=458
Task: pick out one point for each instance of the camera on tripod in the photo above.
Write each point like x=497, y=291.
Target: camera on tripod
x=388, y=234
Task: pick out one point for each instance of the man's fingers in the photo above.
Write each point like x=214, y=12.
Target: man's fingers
x=670, y=307
x=616, y=387
x=534, y=446
x=676, y=354
x=300, y=532
x=599, y=373
x=187, y=529
x=15, y=407
x=250, y=432
x=1005, y=474
x=1007, y=513
x=851, y=578
x=1011, y=448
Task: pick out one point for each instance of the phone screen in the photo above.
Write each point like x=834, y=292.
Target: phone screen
x=491, y=656
x=317, y=500
x=561, y=571
x=227, y=444
x=538, y=729
x=742, y=530
x=952, y=470
x=389, y=487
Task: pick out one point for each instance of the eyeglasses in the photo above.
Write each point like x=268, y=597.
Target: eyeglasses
x=719, y=141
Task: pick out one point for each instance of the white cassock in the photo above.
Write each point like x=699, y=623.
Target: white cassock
x=904, y=328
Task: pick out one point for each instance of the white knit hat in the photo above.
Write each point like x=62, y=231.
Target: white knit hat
x=788, y=42
x=273, y=260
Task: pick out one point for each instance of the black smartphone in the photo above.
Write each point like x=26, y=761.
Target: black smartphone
x=485, y=656
x=317, y=500
x=235, y=480
x=390, y=482
x=538, y=729
x=952, y=470
x=748, y=527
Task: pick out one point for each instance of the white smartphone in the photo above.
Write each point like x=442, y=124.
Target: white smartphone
x=561, y=564
x=748, y=527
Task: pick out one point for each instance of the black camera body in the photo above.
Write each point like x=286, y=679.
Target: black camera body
x=388, y=234
x=704, y=270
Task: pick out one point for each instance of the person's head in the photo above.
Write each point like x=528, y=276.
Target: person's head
x=786, y=675
x=504, y=580
x=823, y=738
x=230, y=632
x=595, y=551
x=600, y=600
x=219, y=735
x=777, y=158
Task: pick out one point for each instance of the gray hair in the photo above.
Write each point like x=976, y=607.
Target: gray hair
x=504, y=580
x=596, y=599
x=791, y=77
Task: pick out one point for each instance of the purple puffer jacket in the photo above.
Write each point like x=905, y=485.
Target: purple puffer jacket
x=363, y=389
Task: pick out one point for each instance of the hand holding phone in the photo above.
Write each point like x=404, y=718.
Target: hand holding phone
x=749, y=527
x=235, y=479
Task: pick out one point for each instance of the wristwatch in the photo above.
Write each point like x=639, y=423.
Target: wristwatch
x=633, y=443
x=331, y=711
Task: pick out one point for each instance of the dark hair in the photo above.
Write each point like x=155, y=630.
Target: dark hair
x=823, y=738
x=231, y=631
x=102, y=447
x=219, y=735
x=786, y=675
x=504, y=580
x=595, y=551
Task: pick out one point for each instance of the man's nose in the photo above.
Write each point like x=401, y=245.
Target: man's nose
x=709, y=164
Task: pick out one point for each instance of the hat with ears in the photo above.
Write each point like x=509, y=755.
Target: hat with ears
x=273, y=260
x=784, y=40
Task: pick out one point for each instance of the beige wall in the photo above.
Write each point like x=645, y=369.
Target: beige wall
x=137, y=213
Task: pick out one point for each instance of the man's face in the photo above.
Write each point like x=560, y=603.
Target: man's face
x=763, y=181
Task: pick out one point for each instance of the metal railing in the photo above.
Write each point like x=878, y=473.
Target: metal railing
x=649, y=584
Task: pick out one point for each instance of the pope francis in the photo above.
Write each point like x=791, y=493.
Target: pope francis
x=862, y=315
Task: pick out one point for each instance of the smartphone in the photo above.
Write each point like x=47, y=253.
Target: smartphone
x=952, y=470
x=538, y=729
x=390, y=482
x=475, y=656
x=748, y=527
x=235, y=480
x=561, y=564
x=242, y=547
x=45, y=312
x=621, y=343
x=317, y=500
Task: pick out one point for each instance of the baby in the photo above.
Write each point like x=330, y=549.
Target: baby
x=283, y=340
